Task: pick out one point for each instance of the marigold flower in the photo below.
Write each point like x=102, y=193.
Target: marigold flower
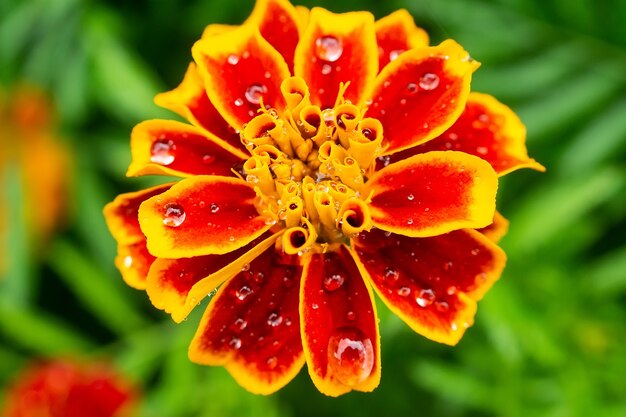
x=31, y=148
x=68, y=389
x=327, y=155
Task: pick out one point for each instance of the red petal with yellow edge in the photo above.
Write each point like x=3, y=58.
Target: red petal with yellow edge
x=166, y=147
x=396, y=34
x=420, y=94
x=241, y=70
x=339, y=324
x=278, y=22
x=487, y=129
x=190, y=101
x=252, y=326
x=122, y=214
x=178, y=285
x=433, y=193
x=134, y=261
x=431, y=283
x=496, y=230
x=203, y=215
x=337, y=48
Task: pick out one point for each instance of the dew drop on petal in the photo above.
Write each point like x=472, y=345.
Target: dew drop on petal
x=429, y=81
x=274, y=319
x=271, y=362
x=235, y=343
x=208, y=159
x=393, y=55
x=163, y=151
x=410, y=197
x=391, y=274
x=174, y=215
x=350, y=356
x=328, y=48
x=128, y=261
x=442, y=306
x=404, y=291
x=333, y=282
x=326, y=69
x=214, y=207
x=243, y=293
x=351, y=315
x=239, y=324
x=233, y=59
x=239, y=102
x=411, y=88
x=254, y=93
x=482, y=150
x=425, y=297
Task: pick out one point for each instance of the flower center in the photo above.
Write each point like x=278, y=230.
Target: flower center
x=309, y=166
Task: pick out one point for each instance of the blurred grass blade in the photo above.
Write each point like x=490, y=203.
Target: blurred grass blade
x=607, y=277
x=40, y=332
x=99, y=293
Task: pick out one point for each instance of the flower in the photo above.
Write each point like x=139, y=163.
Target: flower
x=33, y=153
x=328, y=156
x=64, y=388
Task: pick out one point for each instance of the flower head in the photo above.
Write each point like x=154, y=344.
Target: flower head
x=327, y=155
x=66, y=389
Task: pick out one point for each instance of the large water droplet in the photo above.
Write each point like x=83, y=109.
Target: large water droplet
x=163, y=151
x=254, y=93
x=410, y=197
x=425, y=298
x=174, y=215
x=274, y=319
x=243, y=293
x=328, y=48
x=350, y=356
x=429, y=81
x=333, y=282
x=235, y=343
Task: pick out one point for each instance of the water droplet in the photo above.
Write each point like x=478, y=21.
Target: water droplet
x=404, y=291
x=243, y=293
x=267, y=75
x=214, y=207
x=482, y=150
x=386, y=84
x=239, y=324
x=163, y=151
x=391, y=274
x=314, y=306
x=350, y=356
x=245, y=267
x=409, y=221
x=442, y=306
x=333, y=282
x=425, y=298
x=447, y=266
x=393, y=55
x=410, y=197
x=233, y=59
x=475, y=251
x=174, y=215
x=128, y=261
x=254, y=93
x=328, y=48
x=326, y=69
x=208, y=159
x=235, y=343
x=451, y=290
x=288, y=282
x=274, y=319
x=239, y=102
x=429, y=81
x=351, y=315
x=411, y=88
x=271, y=362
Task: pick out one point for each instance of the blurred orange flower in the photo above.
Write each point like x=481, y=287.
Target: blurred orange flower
x=328, y=156
x=65, y=388
x=32, y=151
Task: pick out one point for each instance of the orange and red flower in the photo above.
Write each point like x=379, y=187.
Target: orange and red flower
x=65, y=388
x=327, y=155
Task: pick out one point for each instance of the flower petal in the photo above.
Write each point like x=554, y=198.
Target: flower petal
x=167, y=147
x=420, y=94
x=431, y=283
x=178, y=285
x=241, y=70
x=252, y=326
x=278, y=22
x=487, y=129
x=337, y=48
x=433, y=193
x=134, y=261
x=122, y=214
x=496, y=230
x=395, y=34
x=339, y=324
x=203, y=215
x=190, y=101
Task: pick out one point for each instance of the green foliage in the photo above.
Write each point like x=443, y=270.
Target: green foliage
x=549, y=338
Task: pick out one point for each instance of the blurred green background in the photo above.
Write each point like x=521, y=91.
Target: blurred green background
x=550, y=337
